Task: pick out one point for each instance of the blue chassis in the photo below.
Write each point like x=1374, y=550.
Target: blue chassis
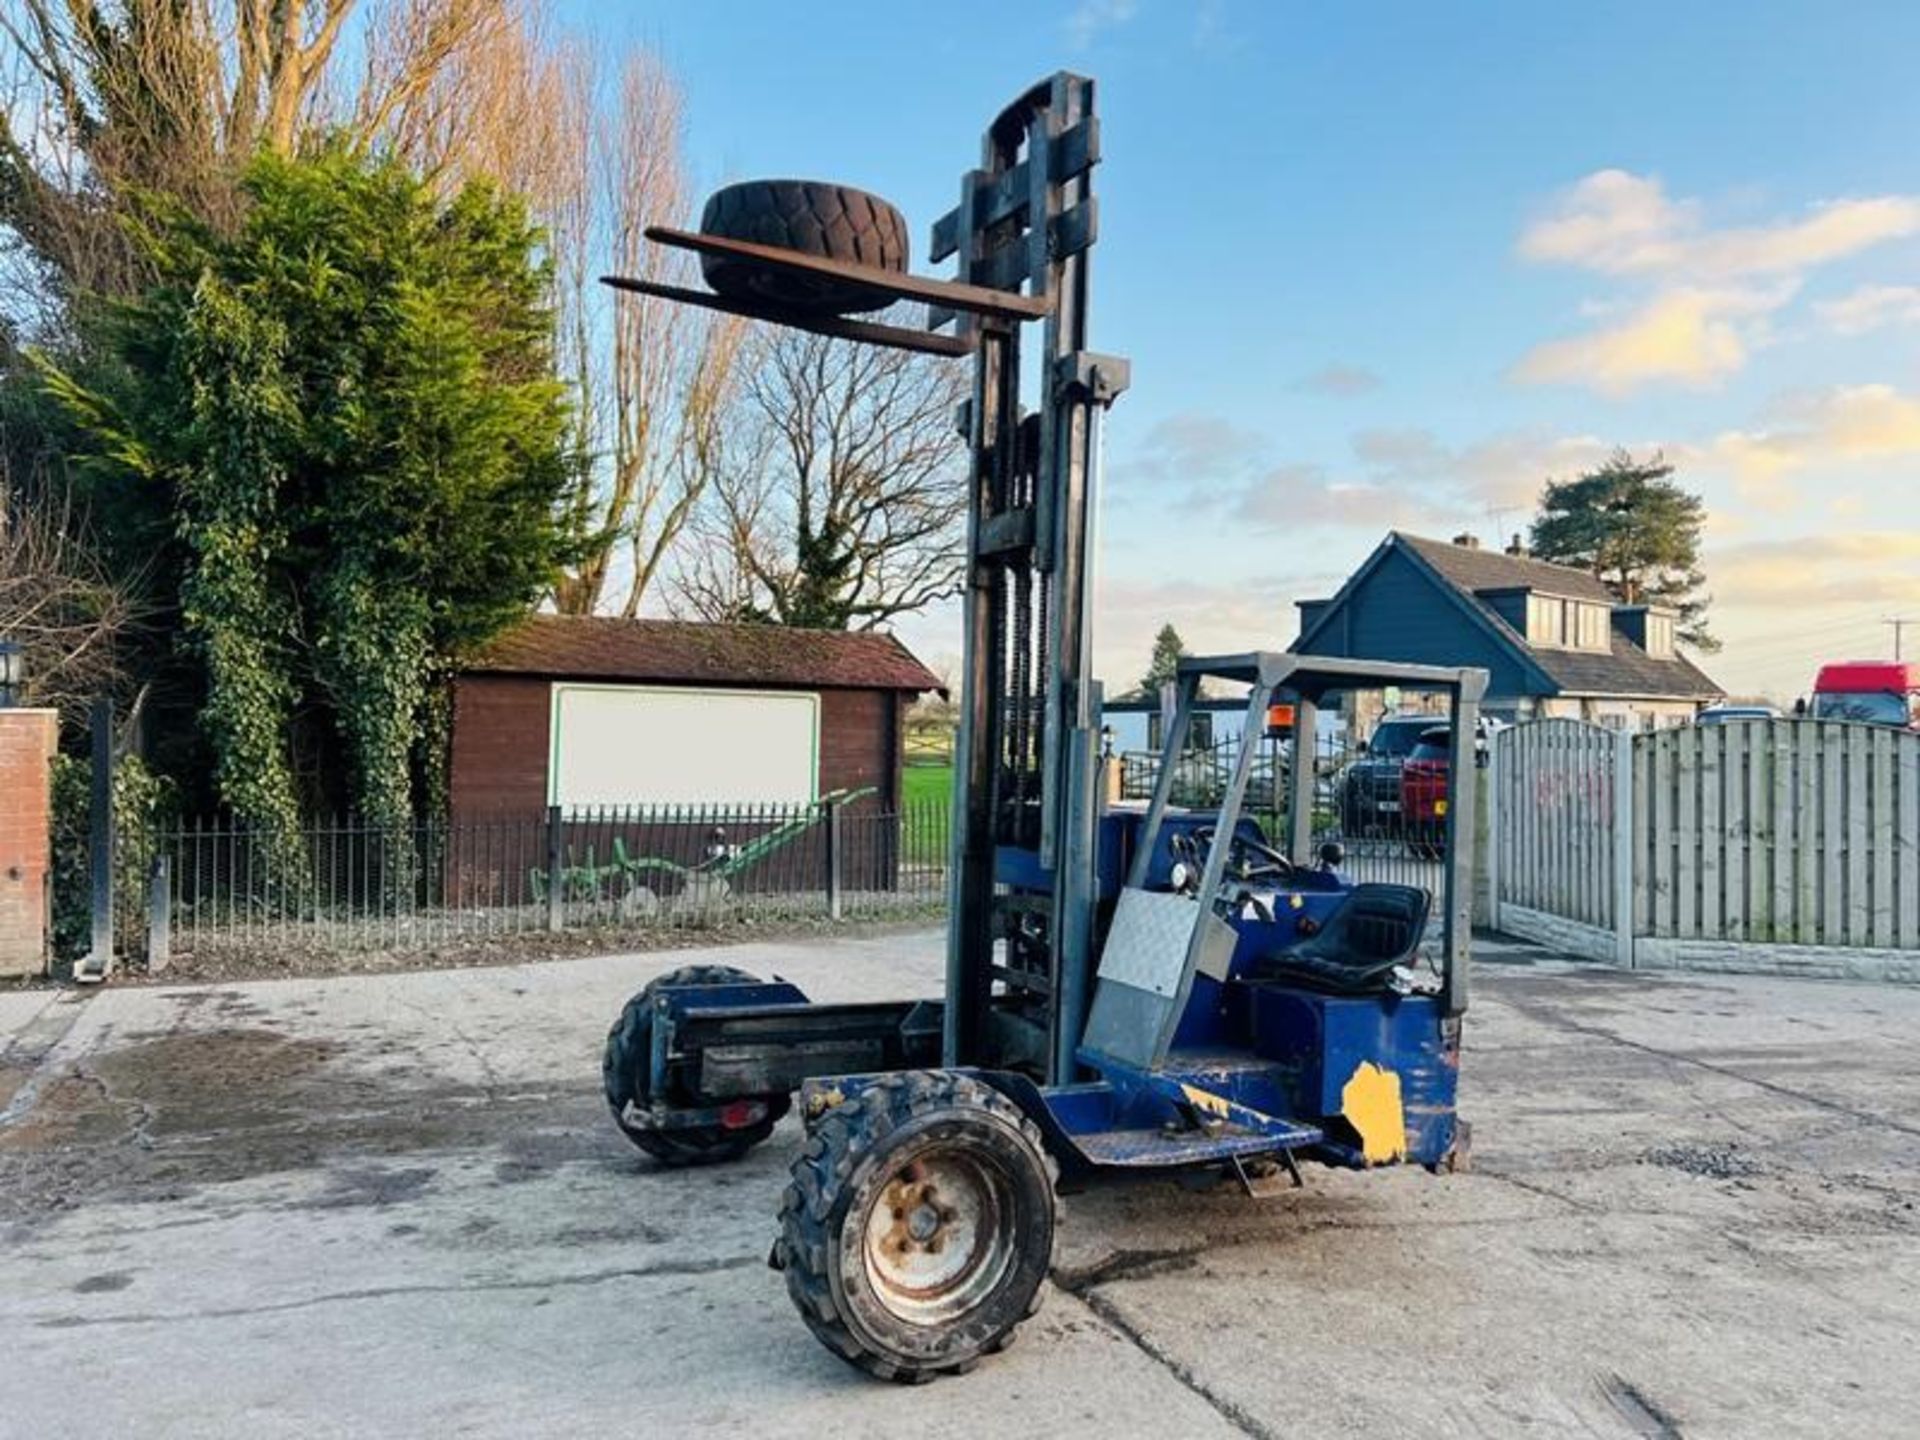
x=1256, y=1068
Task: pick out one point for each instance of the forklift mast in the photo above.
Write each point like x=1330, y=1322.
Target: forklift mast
x=1027, y=752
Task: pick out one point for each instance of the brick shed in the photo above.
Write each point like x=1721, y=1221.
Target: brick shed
x=589, y=711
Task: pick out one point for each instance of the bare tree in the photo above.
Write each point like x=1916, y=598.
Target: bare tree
x=171, y=97
x=659, y=413
x=843, y=505
x=598, y=153
x=62, y=602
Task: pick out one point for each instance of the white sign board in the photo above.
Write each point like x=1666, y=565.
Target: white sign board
x=627, y=745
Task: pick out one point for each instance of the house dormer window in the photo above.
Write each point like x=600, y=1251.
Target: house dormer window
x=1591, y=623
x=1659, y=635
x=1554, y=623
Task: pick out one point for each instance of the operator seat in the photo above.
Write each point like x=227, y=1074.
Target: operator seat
x=1354, y=953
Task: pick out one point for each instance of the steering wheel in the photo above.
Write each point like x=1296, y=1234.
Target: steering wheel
x=1271, y=862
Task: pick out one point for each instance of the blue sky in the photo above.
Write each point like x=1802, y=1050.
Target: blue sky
x=1396, y=264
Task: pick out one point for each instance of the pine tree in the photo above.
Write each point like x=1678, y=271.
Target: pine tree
x=1633, y=527
x=1165, y=664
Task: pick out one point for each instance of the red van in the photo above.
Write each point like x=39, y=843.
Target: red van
x=1880, y=692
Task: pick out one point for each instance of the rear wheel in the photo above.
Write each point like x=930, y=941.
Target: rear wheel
x=624, y=1067
x=919, y=1226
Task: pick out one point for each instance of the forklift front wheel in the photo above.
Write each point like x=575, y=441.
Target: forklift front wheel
x=919, y=1226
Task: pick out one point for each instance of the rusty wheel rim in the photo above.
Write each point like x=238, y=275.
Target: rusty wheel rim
x=937, y=1241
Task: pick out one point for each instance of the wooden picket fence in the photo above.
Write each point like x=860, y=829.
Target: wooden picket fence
x=1553, y=786
x=1784, y=832
x=1772, y=845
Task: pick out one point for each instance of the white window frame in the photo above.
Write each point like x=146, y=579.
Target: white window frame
x=1590, y=626
x=1539, y=609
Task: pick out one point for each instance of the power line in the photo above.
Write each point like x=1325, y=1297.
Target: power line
x=1827, y=627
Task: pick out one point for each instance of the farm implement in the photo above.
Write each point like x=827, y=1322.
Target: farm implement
x=644, y=881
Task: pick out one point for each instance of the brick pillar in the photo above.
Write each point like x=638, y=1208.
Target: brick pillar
x=26, y=757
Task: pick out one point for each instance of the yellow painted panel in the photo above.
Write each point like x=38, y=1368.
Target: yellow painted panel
x=1204, y=1100
x=1370, y=1101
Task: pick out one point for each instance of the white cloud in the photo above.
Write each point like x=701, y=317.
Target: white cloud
x=1619, y=223
x=1300, y=497
x=1850, y=568
x=1404, y=478
x=1339, y=379
x=1870, y=308
x=1611, y=221
x=1092, y=18
x=1187, y=452
x=1504, y=471
x=1700, y=296
x=1213, y=464
x=1817, y=430
x=1695, y=337
x=1221, y=616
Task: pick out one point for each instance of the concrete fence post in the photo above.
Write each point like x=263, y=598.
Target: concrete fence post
x=1488, y=850
x=556, y=873
x=160, y=913
x=835, y=859
x=1623, y=848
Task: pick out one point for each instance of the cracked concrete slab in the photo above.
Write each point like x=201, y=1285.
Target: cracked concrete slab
x=393, y=1205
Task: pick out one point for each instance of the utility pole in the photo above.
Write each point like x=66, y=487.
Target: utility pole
x=1899, y=624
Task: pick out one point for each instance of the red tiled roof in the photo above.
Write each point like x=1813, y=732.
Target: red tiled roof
x=582, y=647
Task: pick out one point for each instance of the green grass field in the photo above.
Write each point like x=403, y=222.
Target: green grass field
x=926, y=785
x=926, y=792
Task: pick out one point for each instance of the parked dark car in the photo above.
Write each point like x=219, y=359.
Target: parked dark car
x=1370, y=789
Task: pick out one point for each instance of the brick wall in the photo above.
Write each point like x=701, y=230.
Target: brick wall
x=26, y=755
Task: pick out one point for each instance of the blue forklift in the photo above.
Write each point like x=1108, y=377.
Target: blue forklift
x=1132, y=991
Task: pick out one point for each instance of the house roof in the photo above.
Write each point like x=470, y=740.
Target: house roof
x=1474, y=569
x=593, y=647
x=1469, y=573
x=1625, y=669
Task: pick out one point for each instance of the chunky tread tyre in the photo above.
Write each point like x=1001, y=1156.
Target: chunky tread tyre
x=835, y=222
x=859, y=1147
x=623, y=1068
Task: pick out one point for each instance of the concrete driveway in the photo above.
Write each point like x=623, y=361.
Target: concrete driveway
x=394, y=1206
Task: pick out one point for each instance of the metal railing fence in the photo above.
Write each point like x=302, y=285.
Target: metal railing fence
x=1357, y=801
x=349, y=884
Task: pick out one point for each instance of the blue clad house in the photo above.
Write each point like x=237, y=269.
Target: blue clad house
x=1554, y=640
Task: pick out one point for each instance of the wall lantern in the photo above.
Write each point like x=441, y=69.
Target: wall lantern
x=13, y=672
